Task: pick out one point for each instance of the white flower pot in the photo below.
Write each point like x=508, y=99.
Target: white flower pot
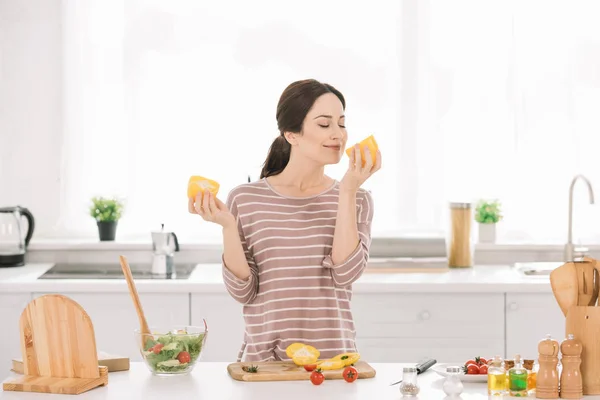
x=487, y=233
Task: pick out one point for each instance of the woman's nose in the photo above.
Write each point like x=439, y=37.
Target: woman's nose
x=337, y=133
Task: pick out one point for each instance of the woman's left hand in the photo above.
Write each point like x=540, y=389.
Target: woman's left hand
x=357, y=174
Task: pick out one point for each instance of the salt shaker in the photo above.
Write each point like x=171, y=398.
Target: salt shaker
x=452, y=384
x=571, y=383
x=409, y=385
x=547, y=377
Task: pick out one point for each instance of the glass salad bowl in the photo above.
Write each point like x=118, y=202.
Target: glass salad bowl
x=171, y=351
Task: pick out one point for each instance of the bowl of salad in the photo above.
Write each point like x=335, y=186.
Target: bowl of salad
x=172, y=351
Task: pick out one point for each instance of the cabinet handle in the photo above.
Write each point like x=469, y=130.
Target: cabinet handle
x=513, y=306
x=424, y=315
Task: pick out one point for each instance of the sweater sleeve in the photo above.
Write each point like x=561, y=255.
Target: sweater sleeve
x=349, y=270
x=242, y=290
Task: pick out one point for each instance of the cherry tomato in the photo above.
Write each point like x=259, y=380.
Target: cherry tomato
x=184, y=357
x=350, y=374
x=483, y=369
x=316, y=377
x=310, y=367
x=157, y=348
x=471, y=362
x=483, y=361
x=472, y=369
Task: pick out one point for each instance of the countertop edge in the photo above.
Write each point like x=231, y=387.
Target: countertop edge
x=208, y=280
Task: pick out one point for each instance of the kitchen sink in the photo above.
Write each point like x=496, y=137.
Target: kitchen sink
x=113, y=271
x=537, y=268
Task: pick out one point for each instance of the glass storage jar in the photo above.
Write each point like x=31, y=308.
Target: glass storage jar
x=460, y=241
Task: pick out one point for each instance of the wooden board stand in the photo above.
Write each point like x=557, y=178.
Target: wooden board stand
x=58, y=347
x=584, y=323
x=288, y=371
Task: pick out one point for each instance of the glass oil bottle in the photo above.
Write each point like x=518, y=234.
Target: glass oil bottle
x=497, y=378
x=517, y=379
x=532, y=379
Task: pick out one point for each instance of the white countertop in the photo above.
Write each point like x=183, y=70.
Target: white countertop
x=211, y=381
x=207, y=278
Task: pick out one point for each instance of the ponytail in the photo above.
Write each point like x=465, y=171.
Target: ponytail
x=278, y=157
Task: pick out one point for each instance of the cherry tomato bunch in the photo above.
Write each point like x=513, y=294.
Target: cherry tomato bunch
x=350, y=374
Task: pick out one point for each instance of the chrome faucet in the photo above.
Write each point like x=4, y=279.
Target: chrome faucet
x=569, y=247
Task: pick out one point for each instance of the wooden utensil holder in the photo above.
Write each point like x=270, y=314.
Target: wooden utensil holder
x=584, y=323
x=58, y=347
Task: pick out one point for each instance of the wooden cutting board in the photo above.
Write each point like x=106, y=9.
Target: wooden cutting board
x=58, y=348
x=112, y=362
x=288, y=371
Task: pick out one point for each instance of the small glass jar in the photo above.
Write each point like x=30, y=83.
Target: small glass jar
x=453, y=386
x=460, y=240
x=532, y=378
x=409, y=385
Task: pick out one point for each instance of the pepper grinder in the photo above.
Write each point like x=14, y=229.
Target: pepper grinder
x=547, y=376
x=571, y=382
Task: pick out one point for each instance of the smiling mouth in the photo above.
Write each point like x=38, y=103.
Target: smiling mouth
x=335, y=147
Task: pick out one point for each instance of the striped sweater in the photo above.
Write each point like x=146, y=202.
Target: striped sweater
x=295, y=293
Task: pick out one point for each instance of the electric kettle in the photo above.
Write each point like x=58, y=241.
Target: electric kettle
x=13, y=239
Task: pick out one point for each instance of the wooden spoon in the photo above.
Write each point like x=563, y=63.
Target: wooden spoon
x=596, y=283
x=594, y=298
x=564, y=286
x=585, y=278
x=144, y=329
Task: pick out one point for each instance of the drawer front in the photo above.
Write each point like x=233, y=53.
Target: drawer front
x=225, y=325
x=529, y=318
x=429, y=315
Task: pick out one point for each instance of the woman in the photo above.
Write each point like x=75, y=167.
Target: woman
x=296, y=240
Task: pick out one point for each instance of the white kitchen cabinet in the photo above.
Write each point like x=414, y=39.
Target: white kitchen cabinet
x=11, y=307
x=450, y=327
x=225, y=325
x=114, y=318
x=529, y=318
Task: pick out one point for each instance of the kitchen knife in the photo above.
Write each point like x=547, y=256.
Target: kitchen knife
x=422, y=366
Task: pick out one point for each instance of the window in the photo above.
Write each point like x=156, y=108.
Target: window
x=507, y=97
x=467, y=99
x=158, y=91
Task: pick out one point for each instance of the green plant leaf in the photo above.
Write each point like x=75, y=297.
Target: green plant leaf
x=105, y=209
x=488, y=212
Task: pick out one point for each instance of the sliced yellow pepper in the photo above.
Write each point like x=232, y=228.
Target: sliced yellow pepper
x=368, y=144
x=200, y=184
x=331, y=364
x=347, y=358
x=302, y=354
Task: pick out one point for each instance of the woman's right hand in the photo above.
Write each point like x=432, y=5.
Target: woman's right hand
x=211, y=209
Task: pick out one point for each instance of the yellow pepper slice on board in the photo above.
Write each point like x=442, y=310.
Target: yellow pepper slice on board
x=302, y=354
x=347, y=358
x=331, y=364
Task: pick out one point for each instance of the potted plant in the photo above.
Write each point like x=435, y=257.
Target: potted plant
x=488, y=214
x=106, y=212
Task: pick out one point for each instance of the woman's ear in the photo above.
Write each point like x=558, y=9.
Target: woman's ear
x=291, y=137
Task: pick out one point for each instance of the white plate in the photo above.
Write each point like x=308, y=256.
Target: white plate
x=440, y=369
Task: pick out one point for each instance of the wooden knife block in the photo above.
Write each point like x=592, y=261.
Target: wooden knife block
x=584, y=323
x=58, y=347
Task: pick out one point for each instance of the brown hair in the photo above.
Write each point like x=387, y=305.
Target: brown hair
x=295, y=102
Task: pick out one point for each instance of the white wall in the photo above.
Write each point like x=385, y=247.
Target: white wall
x=31, y=107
